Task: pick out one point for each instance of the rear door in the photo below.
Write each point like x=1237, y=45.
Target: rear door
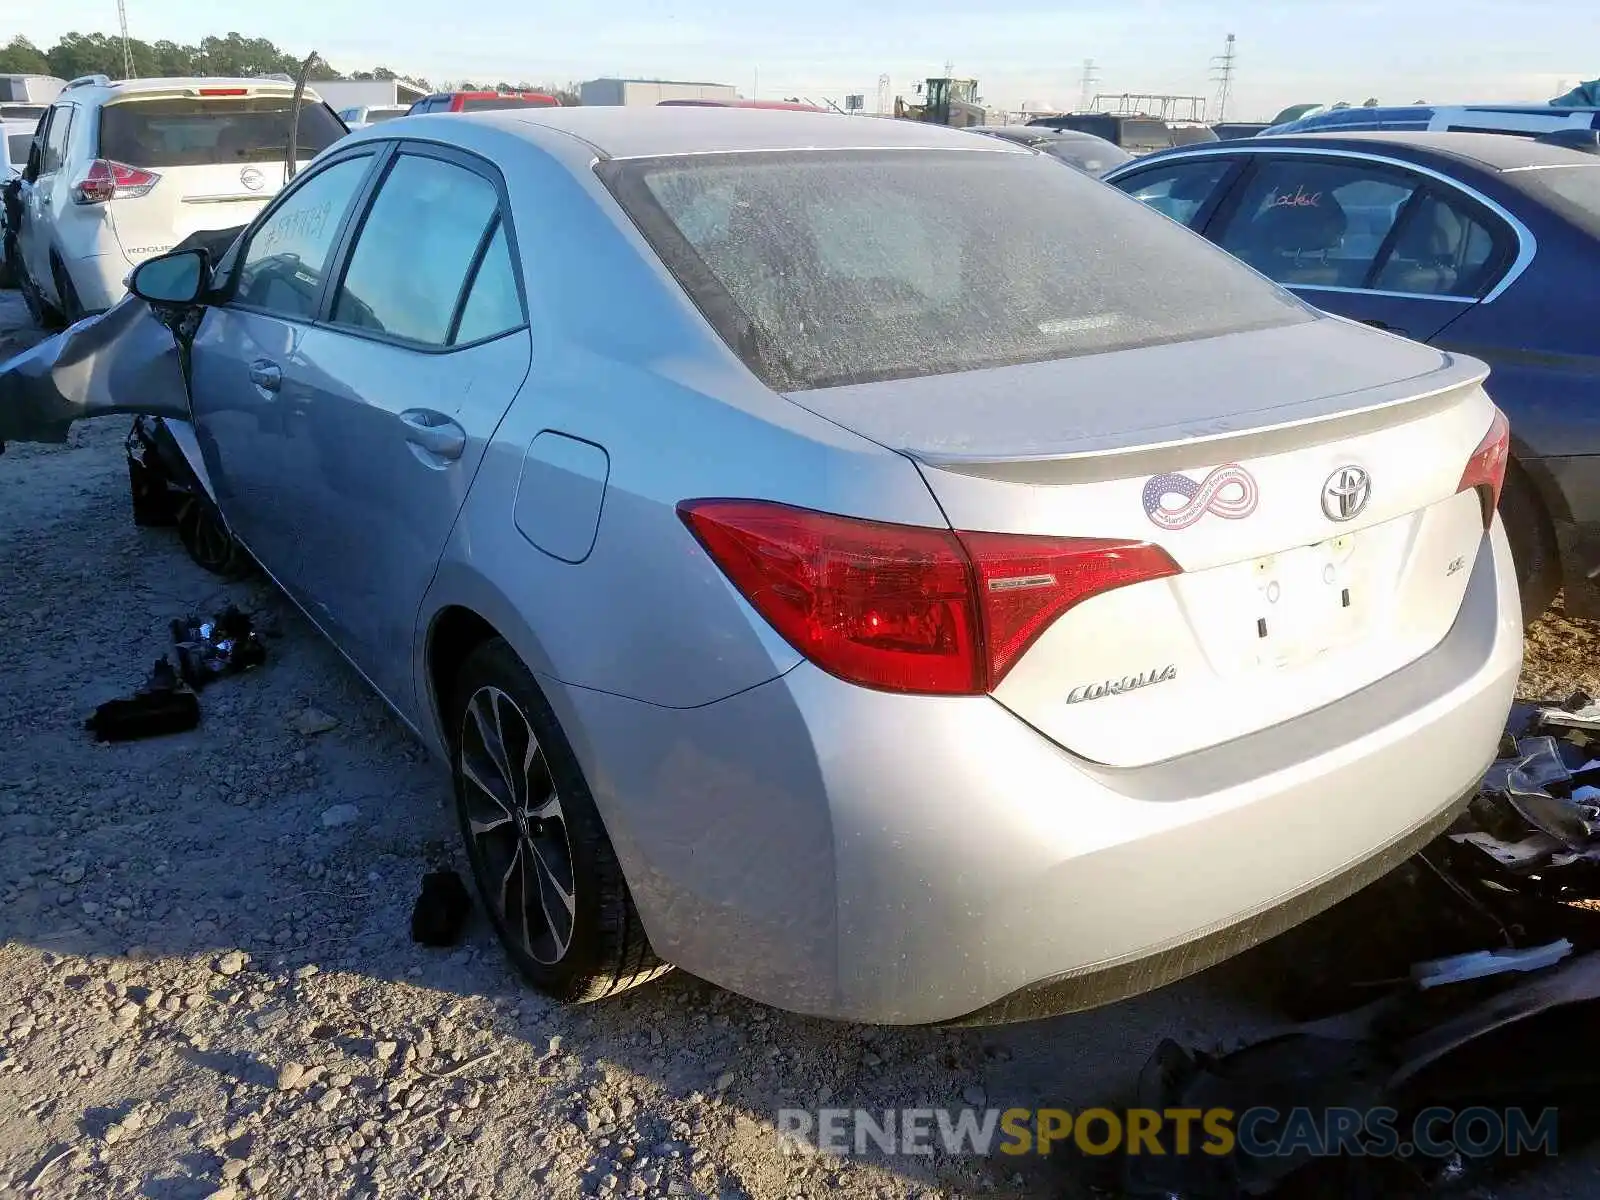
x=1368, y=240
x=218, y=153
x=421, y=346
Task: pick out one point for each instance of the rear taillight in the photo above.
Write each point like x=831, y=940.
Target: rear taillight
x=107, y=180
x=905, y=608
x=1486, y=469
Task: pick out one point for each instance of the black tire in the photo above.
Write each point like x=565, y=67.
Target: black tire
x=8, y=255
x=1533, y=543
x=205, y=536
x=605, y=951
x=154, y=503
x=71, y=307
x=44, y=315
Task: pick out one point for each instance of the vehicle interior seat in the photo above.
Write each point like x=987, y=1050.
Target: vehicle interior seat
x=1429, y=254
x=1296, y=244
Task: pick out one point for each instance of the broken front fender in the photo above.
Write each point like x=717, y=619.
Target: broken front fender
x=125, y=360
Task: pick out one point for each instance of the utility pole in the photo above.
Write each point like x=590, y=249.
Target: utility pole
x=127, y=53
x=1222, y=68
x=1086, y=93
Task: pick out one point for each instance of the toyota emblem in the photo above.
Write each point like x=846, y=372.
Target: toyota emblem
x=251, y=178
x=1346, y=493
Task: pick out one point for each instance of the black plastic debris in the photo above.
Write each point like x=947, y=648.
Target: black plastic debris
x=166, y=704
x=441, y=912
x=209, y=649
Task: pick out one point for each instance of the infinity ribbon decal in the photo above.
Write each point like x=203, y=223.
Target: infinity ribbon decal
x=1201, y=498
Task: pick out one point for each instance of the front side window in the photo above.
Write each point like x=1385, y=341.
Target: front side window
x=1180, y=190
x=1306, y=222
x=829, y=268
x=416, y=246
x=287, y=254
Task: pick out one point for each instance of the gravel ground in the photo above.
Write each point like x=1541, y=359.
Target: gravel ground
x=207, y=986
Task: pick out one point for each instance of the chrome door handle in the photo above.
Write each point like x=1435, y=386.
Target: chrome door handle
x=266, y=375
x=434, y=432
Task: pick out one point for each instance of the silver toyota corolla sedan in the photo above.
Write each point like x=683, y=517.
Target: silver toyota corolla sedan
x=862, y=564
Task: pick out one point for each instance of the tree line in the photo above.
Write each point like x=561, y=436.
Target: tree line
x=79, y=54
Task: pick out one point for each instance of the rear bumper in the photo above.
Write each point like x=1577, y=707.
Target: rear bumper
x=99, y=279
x=854, y=854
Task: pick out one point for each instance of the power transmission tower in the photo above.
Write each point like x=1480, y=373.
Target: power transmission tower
x=949, y=69
x=884, y=98
x=1222, y=69
x=127, y=54
x=1091, y=76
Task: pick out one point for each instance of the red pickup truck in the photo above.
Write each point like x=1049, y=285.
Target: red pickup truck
x=479, y=101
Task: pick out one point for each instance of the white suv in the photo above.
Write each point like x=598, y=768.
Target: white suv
x=122, y=171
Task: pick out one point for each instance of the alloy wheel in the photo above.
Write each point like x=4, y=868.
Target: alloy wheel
x=517, y=830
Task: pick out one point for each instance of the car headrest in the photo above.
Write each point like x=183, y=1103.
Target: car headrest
x=1300, y=222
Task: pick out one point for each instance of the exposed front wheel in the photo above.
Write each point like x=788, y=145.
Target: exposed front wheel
x=205, y=536
x=1534, y=552
x=545, y=868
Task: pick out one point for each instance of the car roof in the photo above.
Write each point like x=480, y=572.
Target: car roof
x=619, y=131
x=1488, y=151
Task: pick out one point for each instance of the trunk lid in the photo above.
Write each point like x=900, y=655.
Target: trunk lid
x=1304, y=478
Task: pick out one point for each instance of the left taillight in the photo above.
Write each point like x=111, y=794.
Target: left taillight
x=106, y=180
x=1486, y=469
x=904, y=608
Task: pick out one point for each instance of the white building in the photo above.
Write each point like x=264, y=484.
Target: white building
x=651, y=91
x=349, y=93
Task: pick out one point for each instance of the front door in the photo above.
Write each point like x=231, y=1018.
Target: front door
x=422, y=347
x=249, y=389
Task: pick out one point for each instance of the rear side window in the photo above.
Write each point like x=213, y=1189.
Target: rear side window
x=823, y=269
x=415, y=249
x=211, y=131
x=288, y=252
x=493, y=305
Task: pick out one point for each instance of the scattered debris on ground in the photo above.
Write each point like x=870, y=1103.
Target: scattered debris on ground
x=441, y=912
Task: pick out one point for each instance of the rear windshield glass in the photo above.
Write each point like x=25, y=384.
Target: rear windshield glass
x=374, y=115
x=823, y=269
x=503, y=102
x=17, y=147
x=1572, y=191
x=207, y=132
x=21, y=112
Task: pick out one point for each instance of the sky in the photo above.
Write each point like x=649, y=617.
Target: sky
x=1022, y=52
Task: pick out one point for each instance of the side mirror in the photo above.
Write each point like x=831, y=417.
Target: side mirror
x=176, y=278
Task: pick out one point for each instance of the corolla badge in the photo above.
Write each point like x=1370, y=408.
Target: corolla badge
x=1346, y=493
x=251, y=178
x=1115, y=687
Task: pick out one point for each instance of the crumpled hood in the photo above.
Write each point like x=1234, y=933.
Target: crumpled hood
x=123, y=361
